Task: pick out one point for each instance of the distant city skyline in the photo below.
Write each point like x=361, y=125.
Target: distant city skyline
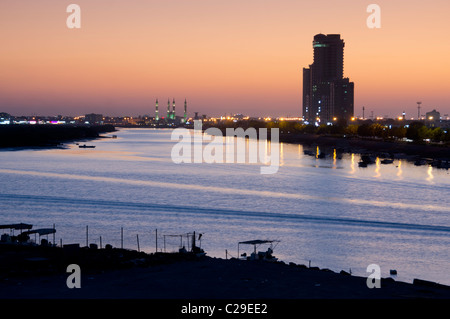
x=223, y=57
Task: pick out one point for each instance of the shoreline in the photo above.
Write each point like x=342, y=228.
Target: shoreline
x=394, y=149
x=40, y=272
x=21, y=137
x=361, y=145
x=358, y=145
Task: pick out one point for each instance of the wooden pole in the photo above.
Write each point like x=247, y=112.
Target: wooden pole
x=54, y=243
x=156, y=241
x=100, y=242
x=87, y=236
x=137, y=238
x=121, y=237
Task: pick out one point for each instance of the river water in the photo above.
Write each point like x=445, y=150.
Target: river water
x=326, y=212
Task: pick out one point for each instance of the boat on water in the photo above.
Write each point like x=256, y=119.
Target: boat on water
x=368, y=159
x=420, y=162
x=260, y=255
x=86, y=146
x=441, y=164
x=362, y=164
x=387, y=161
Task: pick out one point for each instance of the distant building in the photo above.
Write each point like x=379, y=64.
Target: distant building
x=156, y=111
x=93, y=118
x=173, y=114
x=433, y=116
x=168, y=110
x=327, y=95
x=5, y=118
x=185, y=112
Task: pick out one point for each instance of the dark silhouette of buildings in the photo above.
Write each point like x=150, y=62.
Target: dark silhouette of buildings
x=93, y=118
x=327, y=95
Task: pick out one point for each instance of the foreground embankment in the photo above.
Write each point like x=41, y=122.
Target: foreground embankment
x=123, y=274
x=48, y=135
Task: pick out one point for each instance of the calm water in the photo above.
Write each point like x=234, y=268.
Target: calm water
x=327, y=211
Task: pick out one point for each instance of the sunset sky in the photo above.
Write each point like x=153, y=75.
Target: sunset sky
x=234, y=56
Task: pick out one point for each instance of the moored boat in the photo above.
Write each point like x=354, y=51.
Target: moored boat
x=260, y=255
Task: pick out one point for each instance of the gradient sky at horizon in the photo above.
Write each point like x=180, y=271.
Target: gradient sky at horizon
x=222, y=56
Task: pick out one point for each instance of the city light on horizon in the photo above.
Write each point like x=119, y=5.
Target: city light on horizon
x=224, y=57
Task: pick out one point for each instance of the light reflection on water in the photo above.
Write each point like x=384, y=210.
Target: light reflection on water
x=400, y=171
x=327, y=210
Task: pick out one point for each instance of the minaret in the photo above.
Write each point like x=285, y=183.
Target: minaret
x=173, y=109
x=185, y=112
x=156, y=111
x=168, y=110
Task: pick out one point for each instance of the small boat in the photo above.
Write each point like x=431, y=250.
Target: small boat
x=86, y=146
x=362, y=164
x=420, y=162
x=368, y=159
x=441, y=164
x=387, y=161
x=260, y=255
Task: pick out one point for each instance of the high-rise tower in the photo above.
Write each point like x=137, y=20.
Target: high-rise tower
x=326, y=93
x=156, y=111
x=168, y=109
x=185, y=112
x=173, y=110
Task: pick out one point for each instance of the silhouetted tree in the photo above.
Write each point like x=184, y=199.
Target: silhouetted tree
x=364, y=130
x=413, y=131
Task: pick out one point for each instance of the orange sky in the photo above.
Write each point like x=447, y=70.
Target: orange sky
x=229, y=56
